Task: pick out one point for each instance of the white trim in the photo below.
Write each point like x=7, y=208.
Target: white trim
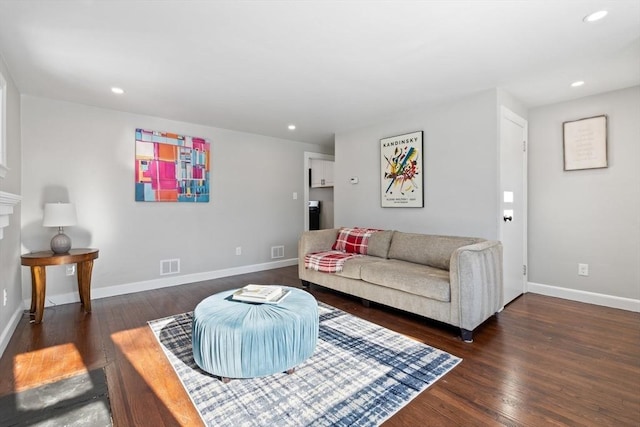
x=3, y=127
x=7, y=202
x=164, y=282
x=9, y=199
x=7, y=332
x=612, y=301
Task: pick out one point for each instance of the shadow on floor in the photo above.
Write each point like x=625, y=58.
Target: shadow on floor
x=81, y=400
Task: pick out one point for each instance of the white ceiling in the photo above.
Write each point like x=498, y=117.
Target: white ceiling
x=327, y=66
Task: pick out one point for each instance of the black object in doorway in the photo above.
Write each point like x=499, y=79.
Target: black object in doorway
x=314, y=215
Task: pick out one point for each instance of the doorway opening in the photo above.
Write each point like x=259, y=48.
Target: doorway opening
x=318, y=190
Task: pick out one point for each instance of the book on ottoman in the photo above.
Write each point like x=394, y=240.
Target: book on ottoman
x=265, y=294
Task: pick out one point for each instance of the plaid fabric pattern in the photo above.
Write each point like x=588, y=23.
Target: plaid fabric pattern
x=327, y=262
x=353, y=240
x=360, y=375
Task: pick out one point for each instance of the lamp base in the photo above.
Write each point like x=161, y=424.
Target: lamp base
x=60, y=244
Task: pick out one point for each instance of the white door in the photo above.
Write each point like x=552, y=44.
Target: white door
x=513, y=202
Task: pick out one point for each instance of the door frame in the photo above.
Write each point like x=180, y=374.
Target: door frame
x=308, y=155
x=507, y=114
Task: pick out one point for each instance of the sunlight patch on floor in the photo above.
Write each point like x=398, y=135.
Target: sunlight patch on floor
x=46, y=365
x=143, y=352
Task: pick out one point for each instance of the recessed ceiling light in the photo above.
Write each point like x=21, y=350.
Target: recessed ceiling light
x=595, y=16
x=117, y=90
x=292, y=127
x=577, y=84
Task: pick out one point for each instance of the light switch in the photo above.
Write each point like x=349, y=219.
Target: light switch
x=508, y=197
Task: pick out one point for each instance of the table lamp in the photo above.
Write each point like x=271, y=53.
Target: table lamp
x=59, y=215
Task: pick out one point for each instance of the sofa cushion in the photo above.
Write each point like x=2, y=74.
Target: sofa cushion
x=353, y=240
x=379, y=243
x=352, y=267
x=409, y=277
x=434, y=251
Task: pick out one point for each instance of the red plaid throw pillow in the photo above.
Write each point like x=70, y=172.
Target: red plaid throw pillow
x=353, y=240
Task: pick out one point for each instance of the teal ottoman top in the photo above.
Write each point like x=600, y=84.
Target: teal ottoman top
x=234, y=339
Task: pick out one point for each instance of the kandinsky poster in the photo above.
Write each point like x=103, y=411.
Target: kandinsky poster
x=401, y=171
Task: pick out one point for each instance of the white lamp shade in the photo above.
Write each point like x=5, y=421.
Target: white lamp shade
x=59, y=215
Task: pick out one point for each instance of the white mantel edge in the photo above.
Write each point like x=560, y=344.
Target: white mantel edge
x=7, y=202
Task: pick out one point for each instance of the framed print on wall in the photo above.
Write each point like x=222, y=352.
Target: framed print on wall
x=401, y=171
x=171, y=167
x=585, y=143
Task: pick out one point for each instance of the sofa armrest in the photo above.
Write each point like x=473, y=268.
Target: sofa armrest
x=315, y=241
x=475, y=275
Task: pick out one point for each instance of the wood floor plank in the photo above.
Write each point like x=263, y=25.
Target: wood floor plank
x=542, y=361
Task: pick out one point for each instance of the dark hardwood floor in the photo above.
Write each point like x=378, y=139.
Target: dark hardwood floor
x=542, y=361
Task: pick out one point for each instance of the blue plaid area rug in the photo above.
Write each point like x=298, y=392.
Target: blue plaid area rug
x=360, y=375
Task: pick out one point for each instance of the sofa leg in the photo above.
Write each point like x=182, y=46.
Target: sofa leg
x=365, y=302
x=466, y=335
x=306, y=284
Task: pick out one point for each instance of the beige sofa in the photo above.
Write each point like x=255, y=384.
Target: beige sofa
x=455, y=280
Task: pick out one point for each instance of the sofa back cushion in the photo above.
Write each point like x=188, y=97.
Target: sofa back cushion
x=426, y=249
x=379, y=243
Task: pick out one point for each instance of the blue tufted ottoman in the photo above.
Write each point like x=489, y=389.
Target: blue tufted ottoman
x=234, y=339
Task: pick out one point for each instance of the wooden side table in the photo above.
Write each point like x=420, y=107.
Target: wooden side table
x=38, y=261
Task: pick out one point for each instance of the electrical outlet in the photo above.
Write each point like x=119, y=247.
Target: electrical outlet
x=295, y=196
x=71, y=270
x=4, y=297
x=583, y=269
x=239, y=250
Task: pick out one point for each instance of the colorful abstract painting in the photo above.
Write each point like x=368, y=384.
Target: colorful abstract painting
x=401, y=171
x=171, y=167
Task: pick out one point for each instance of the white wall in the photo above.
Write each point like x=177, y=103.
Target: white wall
x=460, y=171
x=586, y=216
x=86, y=155
x=10, y=243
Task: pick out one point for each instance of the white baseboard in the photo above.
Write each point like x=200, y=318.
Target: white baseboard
x=629, y=304
x=164, y=282
x=7, y=332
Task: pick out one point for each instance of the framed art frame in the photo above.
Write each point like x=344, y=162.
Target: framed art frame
x=401, y=171
x=171, y=167
x=585, y=143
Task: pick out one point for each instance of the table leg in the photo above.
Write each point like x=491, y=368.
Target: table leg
x=84, y=284
x=33, y=291
x=38, y=290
